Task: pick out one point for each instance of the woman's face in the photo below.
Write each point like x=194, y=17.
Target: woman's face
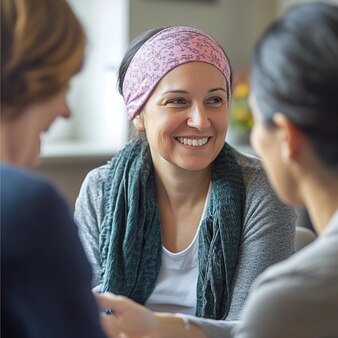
x=23, y=133
x=267, y=142
x=186, y=117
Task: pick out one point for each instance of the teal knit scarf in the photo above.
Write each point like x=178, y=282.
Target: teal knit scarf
x=130, y=234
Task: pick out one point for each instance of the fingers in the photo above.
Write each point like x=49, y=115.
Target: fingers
x=122, y=315
x=103, y=299
x=113, y=330
x=109, y=326
x=122, y=335
x=109, y=301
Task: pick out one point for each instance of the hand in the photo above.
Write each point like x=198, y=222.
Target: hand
x=128, y=319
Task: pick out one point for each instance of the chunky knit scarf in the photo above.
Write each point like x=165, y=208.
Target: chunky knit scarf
x=130, y=234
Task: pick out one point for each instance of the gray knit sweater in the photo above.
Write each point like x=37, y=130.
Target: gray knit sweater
x=267, y=237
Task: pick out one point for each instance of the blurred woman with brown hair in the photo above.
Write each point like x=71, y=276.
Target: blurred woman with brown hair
x=45, y=277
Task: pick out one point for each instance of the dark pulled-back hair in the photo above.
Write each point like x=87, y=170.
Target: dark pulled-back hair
x=295, y=72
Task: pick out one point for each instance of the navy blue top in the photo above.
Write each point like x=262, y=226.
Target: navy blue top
x=45, y=276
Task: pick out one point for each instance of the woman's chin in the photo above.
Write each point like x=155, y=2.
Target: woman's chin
x=33, y=159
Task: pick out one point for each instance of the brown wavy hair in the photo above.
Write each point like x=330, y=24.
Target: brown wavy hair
x=42, y=48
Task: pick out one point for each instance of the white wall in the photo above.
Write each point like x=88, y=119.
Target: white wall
x=99, y=120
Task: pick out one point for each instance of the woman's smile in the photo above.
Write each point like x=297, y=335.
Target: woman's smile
x=195, y=142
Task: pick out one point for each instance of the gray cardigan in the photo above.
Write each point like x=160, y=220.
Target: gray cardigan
x=297, y=298
x=267, y=237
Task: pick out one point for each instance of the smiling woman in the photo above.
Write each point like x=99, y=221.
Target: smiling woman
x=178, y=220
x=178, y=120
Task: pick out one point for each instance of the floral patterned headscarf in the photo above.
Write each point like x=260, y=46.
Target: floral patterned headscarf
x=161, y=53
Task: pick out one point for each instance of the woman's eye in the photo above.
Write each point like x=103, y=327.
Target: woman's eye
x=179, y=100
x=215, y=100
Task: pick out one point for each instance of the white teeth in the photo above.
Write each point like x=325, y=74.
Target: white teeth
x=193, y=142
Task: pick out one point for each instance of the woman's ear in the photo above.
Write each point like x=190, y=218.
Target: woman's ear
x=289, y=135
x=138, y=122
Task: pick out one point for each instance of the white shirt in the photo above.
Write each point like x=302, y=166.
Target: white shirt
x=175, y=289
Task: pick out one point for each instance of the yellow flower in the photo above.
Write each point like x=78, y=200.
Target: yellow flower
x=241, y=90
x=241, y=116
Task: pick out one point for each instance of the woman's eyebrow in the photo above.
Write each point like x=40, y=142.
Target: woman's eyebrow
x=175, y=91
x=181, y=91
x=216, y=89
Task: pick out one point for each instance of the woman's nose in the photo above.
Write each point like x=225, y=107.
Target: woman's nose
x=65, y=112
x=198, y=118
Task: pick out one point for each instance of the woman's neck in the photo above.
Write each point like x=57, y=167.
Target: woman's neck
x=321, y=199
x=181, y=198
x=182, y=187
x=4, y=155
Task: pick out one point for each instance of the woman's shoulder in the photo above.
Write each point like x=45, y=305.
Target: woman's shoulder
x=260, y=195
x=92, y=188
x=30, y=201
x=314, y=264
x=305, y=283
x=24, y=186
x=98, y=175
x=248, y=161
x=252, y=169
x=10, y=175
x=314, y=267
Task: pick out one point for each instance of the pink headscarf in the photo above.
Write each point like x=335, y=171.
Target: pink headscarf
x=161, y=53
